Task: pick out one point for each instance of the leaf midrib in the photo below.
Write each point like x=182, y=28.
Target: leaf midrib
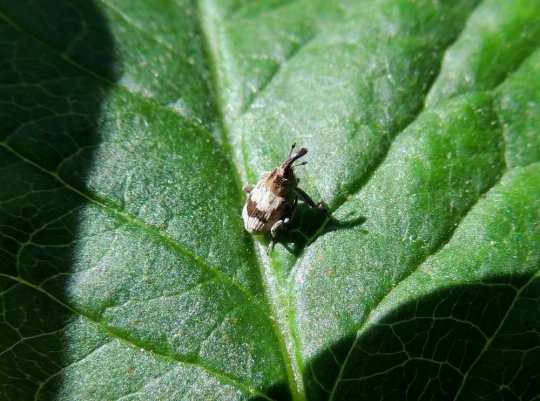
x=279, y=322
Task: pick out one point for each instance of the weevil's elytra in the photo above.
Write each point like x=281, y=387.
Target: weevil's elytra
x=272, y=201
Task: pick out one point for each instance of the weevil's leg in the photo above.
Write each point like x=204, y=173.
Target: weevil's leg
x=306, y=197
x=282, y=223
x=270, y=247
x=247, y=188
x=278, y=225
x=310, y=201
x=289, y=213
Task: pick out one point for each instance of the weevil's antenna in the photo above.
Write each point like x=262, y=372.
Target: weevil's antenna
x=292, y=148
x=300, y=164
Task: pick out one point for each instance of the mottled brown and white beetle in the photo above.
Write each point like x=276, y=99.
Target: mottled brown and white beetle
x=271, y=203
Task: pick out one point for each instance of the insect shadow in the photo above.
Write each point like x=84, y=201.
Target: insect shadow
x=308, y=224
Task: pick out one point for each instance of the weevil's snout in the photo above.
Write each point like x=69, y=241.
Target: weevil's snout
x=297, y=155
x=287, y=164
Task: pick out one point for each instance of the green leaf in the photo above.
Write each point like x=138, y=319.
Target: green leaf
x=128, y=128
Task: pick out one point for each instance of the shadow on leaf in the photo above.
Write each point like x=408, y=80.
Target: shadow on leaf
x=474, y=341
x=58, y=63
x=309, y=224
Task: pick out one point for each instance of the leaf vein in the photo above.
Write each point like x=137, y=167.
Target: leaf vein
x=494, y=335
x=131, y=343
x=436, y=250
x=92, y=73
x=274, y=73
x=152, y=231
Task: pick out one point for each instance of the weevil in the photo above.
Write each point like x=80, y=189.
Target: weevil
x=271, y=203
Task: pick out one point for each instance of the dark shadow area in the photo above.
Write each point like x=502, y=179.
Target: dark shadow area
x=57, y=63
x=308, y=224
x=278, y=392
x=449, y=345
